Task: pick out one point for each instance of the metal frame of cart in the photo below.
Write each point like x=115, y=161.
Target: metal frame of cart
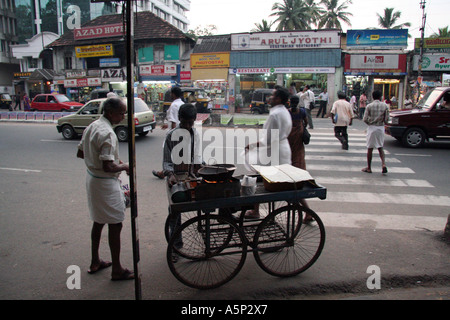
x=211, y=238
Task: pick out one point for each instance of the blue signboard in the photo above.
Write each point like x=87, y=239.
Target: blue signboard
x=377, y=38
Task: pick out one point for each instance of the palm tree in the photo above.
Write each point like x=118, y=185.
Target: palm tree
x=264, y=26
x=315, y=11
x=390, y=18
x=443, y=33
x=292, y=15
x=334, y=14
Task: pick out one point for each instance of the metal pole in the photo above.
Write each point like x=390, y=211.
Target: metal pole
x=131, y=145
x=419, y=72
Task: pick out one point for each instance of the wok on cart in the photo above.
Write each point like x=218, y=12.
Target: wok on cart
x=208, y=233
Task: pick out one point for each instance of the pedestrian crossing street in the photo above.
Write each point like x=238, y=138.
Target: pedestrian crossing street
x=393, y=201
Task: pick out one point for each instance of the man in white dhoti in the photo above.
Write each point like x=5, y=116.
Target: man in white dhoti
x=99, y=148
x=376, y=116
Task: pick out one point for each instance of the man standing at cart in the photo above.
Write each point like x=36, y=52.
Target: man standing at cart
x=188, y=158
x=99, y=148
x=172, y=118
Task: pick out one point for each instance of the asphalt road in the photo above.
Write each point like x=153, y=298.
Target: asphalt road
x=392, y=221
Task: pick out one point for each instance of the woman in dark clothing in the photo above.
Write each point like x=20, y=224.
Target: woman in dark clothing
x=299, y=121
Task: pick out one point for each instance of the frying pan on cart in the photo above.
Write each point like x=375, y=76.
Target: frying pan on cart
x=217, y=172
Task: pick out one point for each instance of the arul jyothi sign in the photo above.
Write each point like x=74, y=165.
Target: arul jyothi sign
x=286, y=40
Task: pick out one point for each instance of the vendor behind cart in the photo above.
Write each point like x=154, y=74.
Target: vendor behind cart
x=182, y=154
x=182, y=149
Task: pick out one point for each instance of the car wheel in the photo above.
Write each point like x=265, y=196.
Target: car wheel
x=68, y=132
x=414, y=138
x=122, y=134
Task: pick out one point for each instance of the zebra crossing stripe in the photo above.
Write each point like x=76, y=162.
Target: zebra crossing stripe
x=382, y=222
x=324, y=167
x=311, y=149
x=387, y=198
x=375, y=182
x=347, y=158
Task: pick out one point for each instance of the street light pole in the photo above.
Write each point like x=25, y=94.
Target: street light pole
x=422, y=29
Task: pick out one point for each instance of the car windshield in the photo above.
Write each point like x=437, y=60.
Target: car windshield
x=428, y=99
x=6, y=96
x=62, y=98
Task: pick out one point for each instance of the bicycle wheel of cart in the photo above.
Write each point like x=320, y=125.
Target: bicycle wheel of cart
x=284, y=246
x=185, y=216
x=213, y=251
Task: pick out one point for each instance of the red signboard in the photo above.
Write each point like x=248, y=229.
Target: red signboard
x=375, y=63
x=185, y=76
x=109, y=30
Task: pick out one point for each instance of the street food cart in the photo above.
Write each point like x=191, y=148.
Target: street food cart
x=213, y=236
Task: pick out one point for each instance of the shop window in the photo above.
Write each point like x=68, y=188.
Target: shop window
x=68, y=63
x=171, y=52
x=32, y=63
x=145, y=54
x=158, y=54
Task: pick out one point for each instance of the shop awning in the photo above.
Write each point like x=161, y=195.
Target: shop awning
x=209, y=74
x=42, y=74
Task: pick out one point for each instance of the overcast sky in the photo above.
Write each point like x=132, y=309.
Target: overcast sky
x=235, y=16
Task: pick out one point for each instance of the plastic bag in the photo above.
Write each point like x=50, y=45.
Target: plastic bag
x=248, y=186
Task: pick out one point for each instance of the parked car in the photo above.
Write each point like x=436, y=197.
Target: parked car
x=429, y=120
x=5, y=101
x=102, y=93
x=73, y=125
x=54, y=102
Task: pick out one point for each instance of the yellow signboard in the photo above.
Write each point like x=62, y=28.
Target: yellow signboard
x=98, y=50
x=210, y=60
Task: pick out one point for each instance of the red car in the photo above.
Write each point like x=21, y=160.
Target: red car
x=429, y=120
x=54, y=102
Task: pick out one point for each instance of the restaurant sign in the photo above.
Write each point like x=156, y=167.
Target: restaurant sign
x=286, y=40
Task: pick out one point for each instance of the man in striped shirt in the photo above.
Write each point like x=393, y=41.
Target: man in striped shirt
x=376, y=116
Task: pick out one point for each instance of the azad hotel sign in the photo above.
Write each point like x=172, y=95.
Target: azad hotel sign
x=104, y=31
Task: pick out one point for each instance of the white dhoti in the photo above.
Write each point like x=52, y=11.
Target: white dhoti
x=105, y=199
x=375, y=137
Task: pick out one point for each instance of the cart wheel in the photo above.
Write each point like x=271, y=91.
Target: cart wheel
x=185, y=216
x=213, y=251
x=284, y=246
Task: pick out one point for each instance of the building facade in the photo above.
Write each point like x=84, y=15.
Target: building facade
x=95, y=57
x=8, y=36
x=172, y=11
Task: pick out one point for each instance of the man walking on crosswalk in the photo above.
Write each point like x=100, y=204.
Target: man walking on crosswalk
x=376, y=116
x=342, y=117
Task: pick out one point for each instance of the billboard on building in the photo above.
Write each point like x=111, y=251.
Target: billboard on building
x=375, y=64
x=377, y=39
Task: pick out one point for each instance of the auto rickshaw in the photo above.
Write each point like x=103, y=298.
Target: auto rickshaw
x=197, y=96
x=5, y=101
x=260, y=101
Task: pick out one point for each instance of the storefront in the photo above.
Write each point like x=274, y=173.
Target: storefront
x=435, y=67
x=384, y=72
x=209, y=71
x=375, y=60
x=263, y=60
